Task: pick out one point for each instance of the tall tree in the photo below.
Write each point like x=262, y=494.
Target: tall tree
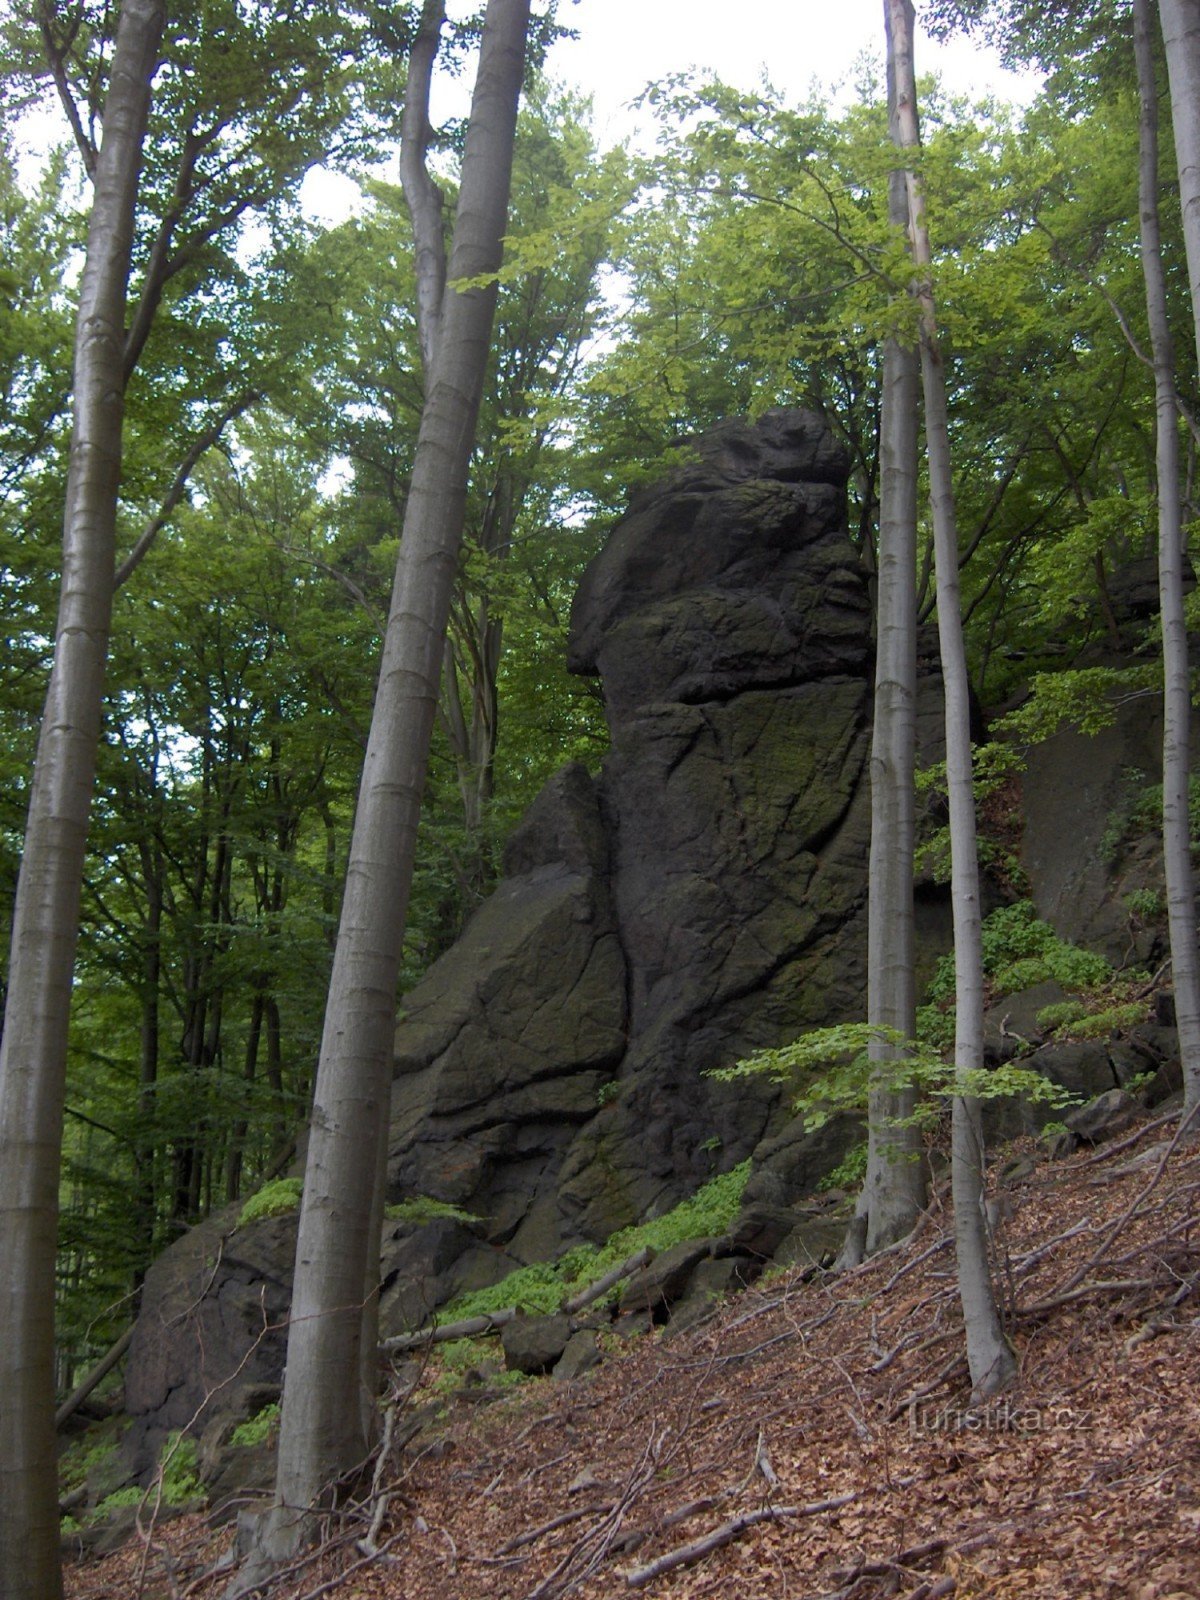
x=894, y=1187
x=989, y=1354
x=327, y=1406
x=33, y=1051
x=1181, y=35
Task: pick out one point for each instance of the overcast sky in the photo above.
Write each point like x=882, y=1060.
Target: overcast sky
x=625, y=44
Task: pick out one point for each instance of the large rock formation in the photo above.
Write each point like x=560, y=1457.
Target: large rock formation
x=702, y=896
x=705, y=895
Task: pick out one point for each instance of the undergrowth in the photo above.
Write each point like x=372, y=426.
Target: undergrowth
x=272, y=1200
x=542, y=1287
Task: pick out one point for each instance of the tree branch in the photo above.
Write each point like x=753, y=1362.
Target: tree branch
x=174, y=495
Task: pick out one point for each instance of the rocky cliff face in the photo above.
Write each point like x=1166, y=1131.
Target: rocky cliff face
x=703, y=896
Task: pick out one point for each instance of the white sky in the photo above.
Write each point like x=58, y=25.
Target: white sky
x=625, y=44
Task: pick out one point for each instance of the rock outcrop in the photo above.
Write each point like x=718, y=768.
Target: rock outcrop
x=703, y=896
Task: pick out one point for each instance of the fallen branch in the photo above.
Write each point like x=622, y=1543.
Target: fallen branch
x=1108, y=1151
x=686, y=1555
x=488, y=1322
x=1134, y=1205
x=531, y=1535
x=99, y=1372
x=629, y=1542
x=1084, y=1292
x=593, y=1291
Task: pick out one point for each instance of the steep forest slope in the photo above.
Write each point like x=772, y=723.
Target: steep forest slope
x=811, y=1436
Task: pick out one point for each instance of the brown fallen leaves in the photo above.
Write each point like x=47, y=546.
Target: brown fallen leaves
x=815, y=1440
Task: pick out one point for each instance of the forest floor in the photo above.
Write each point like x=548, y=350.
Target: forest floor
x=814, y=1439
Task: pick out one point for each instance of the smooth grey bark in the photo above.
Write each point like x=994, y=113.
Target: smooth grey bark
x=421, y=194
x=894, y=1189
x=989, y=1354
x=331, y=1332
x=46, y=916
x=1181, y=34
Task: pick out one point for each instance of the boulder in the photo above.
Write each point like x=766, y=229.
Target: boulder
x=534, y=1344
x=1104, y=1117
x=580, y=1354
x=700, y=897
x=211, y=1335
x=709, y=1282
x=658, y=1285
x=813, y=1242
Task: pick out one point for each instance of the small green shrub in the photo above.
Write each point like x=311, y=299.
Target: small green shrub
x=608, y=1092
x=1114, y=1020
x=1147, y=905
x=423, y=1208
x=1062, y=1014
x=258, y=1427
x=83, y=1456
x=272, y=1200
x=1140, y=813
x=849, y=1172
x=542, y=1287
x=1019, y=951
x=536, y=1289
x=116, y=1501
x=179, y=1466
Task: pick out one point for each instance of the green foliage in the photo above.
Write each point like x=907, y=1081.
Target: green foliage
x=542, y=1287
x=1019, y=951
x=536, y=1289
x=1086, y=698
x=116, y=1501
x=608, y=1092
x=179, y=1466
x=1140, y=814
x=177, y=1481
x=1062, y=1014
x=850, y=1171
x=834, y=1069
x=1115, y=1019
x=1146, y=905
x=272, y=1200
x=423, y=1208
x=88, y=1454
x=258, y=1428
x=459, y=1359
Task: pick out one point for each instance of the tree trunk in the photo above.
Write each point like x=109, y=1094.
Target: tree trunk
x=894, y=1190
x=337, y=1259
x=33, y=1054
x=145, y=1150
x=989, y=1354
x=1181, y=33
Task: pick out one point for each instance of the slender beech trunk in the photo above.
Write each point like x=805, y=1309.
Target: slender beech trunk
x=894, y=1191
x=33, y=1054
x=332, y=1332
x=145, y=1151
x=989, y=1354
x=1181, y=33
